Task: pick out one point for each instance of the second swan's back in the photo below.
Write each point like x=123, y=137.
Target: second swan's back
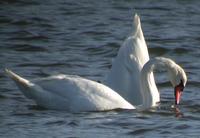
x=124, y=76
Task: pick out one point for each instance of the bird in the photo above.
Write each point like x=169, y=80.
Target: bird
x=70, y=92
x=76, y=94
x=124, y=75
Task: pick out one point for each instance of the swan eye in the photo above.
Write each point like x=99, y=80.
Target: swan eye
x=181, y=85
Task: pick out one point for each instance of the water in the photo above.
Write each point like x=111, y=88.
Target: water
x=41, y=38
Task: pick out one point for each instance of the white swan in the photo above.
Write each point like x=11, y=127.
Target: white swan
x=124, y=76
x=75, y=94
x=71, y=93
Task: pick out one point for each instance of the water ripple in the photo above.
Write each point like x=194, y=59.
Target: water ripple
x=28, y=48
x=140, y=131
x=41, y=38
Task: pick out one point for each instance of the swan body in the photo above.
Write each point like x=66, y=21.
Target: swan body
x=124, y=76
x=71, y=93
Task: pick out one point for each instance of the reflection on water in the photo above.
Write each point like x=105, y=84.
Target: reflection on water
x=41, y=38
x=179, y=114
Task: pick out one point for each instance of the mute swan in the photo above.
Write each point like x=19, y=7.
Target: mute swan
x=124, y=76
x=70, y=92
x=75, y=94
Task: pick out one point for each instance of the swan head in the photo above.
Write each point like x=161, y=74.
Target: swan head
x=178, y=80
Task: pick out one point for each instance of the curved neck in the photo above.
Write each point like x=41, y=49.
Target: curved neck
x=149, y=90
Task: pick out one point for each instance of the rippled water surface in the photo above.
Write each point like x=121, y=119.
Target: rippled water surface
x=41, y=38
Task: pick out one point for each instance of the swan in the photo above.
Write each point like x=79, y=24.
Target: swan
x=69, y=92
x=124, y=75
x=76, y=94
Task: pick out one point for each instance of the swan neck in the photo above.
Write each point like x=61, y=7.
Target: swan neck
x=148, y=86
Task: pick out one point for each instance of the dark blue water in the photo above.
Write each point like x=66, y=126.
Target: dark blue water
x=41, y=38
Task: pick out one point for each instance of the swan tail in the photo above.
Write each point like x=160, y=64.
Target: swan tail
x=17, y=78
x=24, y=85
x=137, y=25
